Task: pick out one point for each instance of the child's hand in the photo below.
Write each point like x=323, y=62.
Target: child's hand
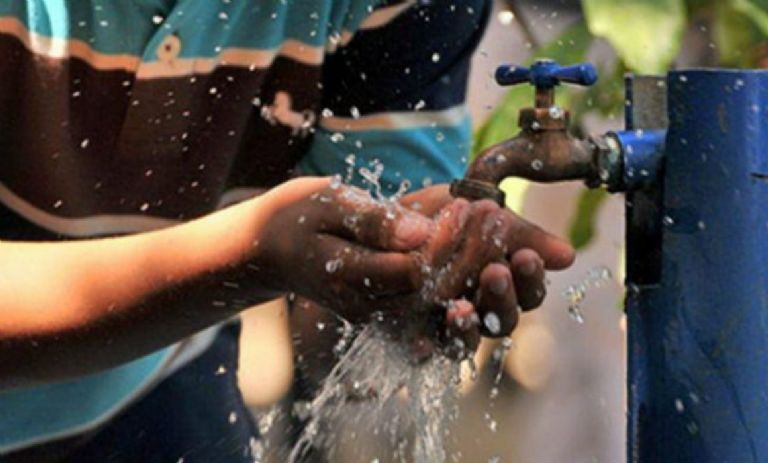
x=489, y=259
x=336, y=246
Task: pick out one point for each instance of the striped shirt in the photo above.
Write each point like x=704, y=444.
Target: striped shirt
x=122, y=116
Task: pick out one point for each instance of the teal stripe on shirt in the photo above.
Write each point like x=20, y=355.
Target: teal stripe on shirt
x=37, y=414
x=206, y=27
x=423, y=156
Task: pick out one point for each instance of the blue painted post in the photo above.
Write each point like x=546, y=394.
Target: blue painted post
x=698, y=316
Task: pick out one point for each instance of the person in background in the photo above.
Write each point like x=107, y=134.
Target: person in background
x=394, y=97
x=126, y=118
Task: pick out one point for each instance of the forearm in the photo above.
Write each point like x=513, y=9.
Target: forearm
x=77, y=307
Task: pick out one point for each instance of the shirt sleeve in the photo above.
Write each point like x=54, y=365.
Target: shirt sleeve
x=394, y=93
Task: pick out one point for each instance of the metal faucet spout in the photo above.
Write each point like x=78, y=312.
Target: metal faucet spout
x=544, y=151
x=545, y=156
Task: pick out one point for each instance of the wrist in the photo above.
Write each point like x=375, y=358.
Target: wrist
x=271, y=246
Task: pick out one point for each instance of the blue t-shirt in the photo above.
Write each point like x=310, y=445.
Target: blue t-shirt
x=131, y=115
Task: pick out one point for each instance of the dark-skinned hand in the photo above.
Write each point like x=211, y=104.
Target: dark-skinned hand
x=485, y=263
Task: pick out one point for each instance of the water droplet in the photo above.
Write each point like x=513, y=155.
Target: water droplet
x=354, y=112
x=679, y=406
x=435, y=57
x=333, y=265
x=267, y=420
x=221, y=370
x=232, y=418
x=575, y=295
x=84, y=143
x=668, y=221
x=576, y=314
x=506, y=17
x=337, y=137
x=492, y=425
x=256, y=448
x=419, y=105
x=537, y=164
x=336, y=182
x=492, y=322
x=556, y=112
x=157, y=19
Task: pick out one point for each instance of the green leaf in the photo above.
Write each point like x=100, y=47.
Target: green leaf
x=646, y=34
x=583, y=226
x=502, y=124
x=755, y=10
x=569, y=47
x=735, y=35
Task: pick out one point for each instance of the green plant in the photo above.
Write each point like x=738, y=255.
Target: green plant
x=647, y=37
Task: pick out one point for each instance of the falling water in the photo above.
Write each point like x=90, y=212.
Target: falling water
x=361, y=390
x=377, y=375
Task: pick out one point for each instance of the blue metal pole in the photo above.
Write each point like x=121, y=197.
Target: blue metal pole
x=698, y=324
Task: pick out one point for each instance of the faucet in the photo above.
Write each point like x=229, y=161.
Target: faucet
x=544, y=150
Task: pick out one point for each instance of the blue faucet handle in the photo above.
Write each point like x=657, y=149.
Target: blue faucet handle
x=547, y=74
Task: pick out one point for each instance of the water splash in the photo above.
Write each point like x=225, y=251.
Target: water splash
x=370, y=375
x=376, y=375
x=372, y=177
x=575, y=294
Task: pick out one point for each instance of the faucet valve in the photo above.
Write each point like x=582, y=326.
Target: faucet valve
x=544, y=150
x=545, y=75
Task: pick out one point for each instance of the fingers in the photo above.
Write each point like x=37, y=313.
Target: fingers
x=446, y=236
x=528, y=270
x=481, y=244
x=556, y=253
x=352, y=213
x=462, y=331
x=428, y=201
x=497, y=301
x=358, y=276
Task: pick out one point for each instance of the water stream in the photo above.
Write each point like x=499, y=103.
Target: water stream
x=361, y=393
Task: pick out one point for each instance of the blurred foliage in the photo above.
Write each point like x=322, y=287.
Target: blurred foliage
x=583, y=226
x=648, y=37
x=634, y=28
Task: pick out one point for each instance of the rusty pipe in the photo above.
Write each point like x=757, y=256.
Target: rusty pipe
x=541, y=156
x=543, y=151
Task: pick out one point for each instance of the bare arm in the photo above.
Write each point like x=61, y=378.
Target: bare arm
x=77, y=307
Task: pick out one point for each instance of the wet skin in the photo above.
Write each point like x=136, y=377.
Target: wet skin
x=484, y=259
